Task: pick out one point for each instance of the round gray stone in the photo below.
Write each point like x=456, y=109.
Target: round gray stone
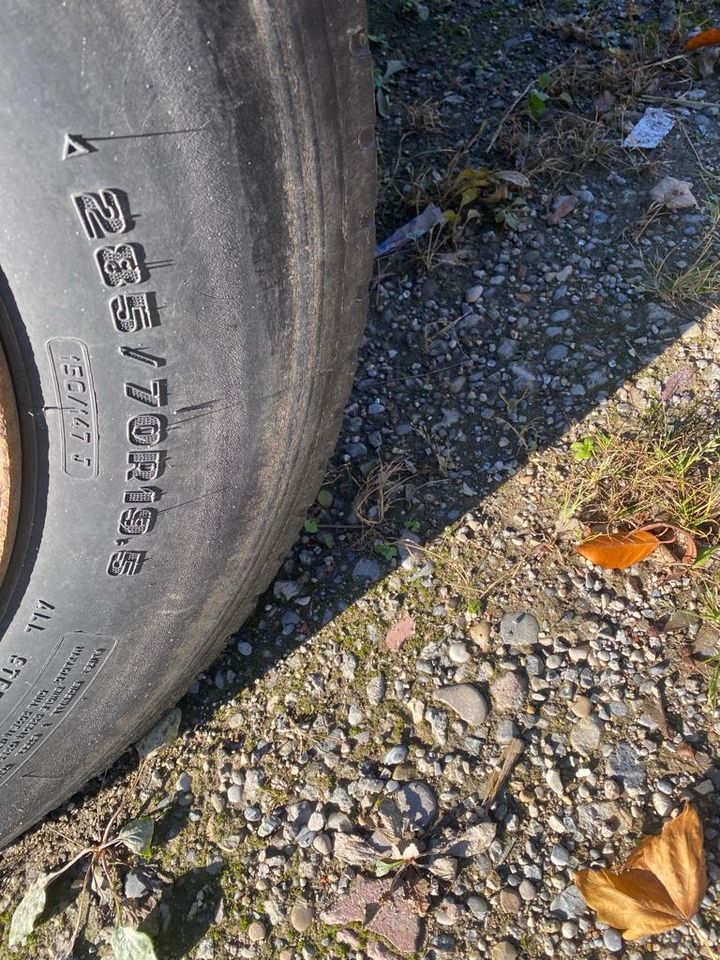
x=417, y=804
x=466, y=700
x=519, y=629
x=301, y=915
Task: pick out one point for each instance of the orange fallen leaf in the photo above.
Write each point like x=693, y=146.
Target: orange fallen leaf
x=708, y=38
x=659, y=887
x=399, y=632
x=618, y=551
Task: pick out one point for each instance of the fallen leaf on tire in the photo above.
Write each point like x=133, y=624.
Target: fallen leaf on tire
x=659, y=887
x=674, y=194
x=618, y=551
x=708, y=38
x=399, y=632
x=561, y=208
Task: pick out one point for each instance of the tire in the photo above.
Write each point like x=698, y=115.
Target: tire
x=186, y=241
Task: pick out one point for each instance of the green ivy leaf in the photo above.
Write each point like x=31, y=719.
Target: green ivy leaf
x=137, y=835
x=544, y=81
x=311, y=525
x=325, y=498
x=129, y=944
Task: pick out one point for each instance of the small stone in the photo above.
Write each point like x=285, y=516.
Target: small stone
x=316, y=821
x=519, y=629
x=662, y=804
x=569, y=904
x=612, y=940
x=395, y=755
x=569, y=930
x=478, y=906
x=554, y=781
x=459, y=653
x=504, y=950
x=235, y=794
x=355, y=715
x=323, y=844
x=252, y=814
x=163, y=733
x=559, y=855
x=135, y=886
x=585, y=735
x=244, y=648
x=183, y=783
x=704, y=788
x=480, y=634
x=466, y=700
x=473, y=294
x=623, y=764
x=417, y=804
x=527, y=890
x=509, y=691
x=375, y=689
x=510, y=900
x=582, y=707
x=301, y=915
x=257, y=932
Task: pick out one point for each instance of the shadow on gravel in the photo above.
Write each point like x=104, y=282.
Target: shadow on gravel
x=193, y=904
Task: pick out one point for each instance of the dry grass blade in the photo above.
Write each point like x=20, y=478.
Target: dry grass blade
x=512, y=754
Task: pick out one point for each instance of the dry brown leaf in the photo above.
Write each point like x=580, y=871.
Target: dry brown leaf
x=561, y=208
x=708, y=38
x=618, y=551
x=661, y=886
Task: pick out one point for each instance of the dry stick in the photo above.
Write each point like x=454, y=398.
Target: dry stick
x=498, y=777
x=679, y=102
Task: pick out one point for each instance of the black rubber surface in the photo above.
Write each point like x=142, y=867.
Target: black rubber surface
x=187, y=196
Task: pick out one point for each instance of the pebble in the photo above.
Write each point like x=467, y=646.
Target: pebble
x=612, y=940
x=623, y=763
x=662, y=804
x=301, y=915
x=244, y=648
x=478, y=906
x=480, y=634
x=323, y=844
x=510, y=900
x=519, y=629
x=560, y=856
x=504, y=950
x=554, y=781
x=257, y=932
x=459, y=653
x=135, y=885
x=316, y=821
x=527, y=890
x=585, y=735
x=395, y=755
x=473, y=294
x=466, y=700
x=509, y=691
x=235, y=794
x=417, y=804
x=582, y=707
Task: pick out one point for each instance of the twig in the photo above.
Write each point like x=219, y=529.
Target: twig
x=498, y=777
x=679, y=102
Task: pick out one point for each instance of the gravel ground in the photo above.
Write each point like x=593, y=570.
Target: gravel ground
x=434, y=664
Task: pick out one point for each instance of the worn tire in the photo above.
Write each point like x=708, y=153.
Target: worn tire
x=187, y=202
